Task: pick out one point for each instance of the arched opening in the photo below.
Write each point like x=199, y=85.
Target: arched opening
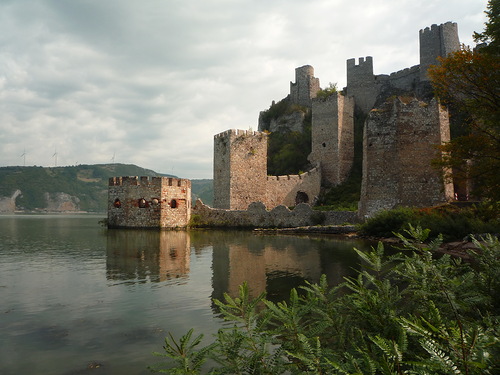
x=173, y=203
x=142, y=203
x=301, y=197
x=117, y=203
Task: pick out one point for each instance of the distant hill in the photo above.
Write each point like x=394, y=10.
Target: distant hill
x=82, y=187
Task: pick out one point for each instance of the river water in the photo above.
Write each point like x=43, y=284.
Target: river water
x=76, y=298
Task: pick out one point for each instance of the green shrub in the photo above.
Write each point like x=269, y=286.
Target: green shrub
x=409, y=313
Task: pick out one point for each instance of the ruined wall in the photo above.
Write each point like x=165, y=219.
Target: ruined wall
x=399, y=143
x=148, y=202
x=438, y=40
x=333, y=137
x=240, y=168
x=291, y=190
x=259, y=217
x=306, y=86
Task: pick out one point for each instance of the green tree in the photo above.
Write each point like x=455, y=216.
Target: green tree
x=469, y=81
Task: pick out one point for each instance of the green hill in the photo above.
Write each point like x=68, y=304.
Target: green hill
x=85, y=184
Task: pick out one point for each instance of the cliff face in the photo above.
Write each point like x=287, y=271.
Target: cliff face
x=61, y=202
x=8, y=204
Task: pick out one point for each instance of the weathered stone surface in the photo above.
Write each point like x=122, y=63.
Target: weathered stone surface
x=240, y=174
x=279, y=217
x=149, y=202
x=332, y=136
x=399, y=144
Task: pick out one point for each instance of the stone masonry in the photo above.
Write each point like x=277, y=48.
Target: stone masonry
x=399, y=144
x=240, y=174
x=333, y=137
x=149, y=202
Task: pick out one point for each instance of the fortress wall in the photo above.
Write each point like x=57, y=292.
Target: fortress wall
x=333, y=137
x=399, y=144
x=438, y=40
x=405, y=79
x=294, y=189
x=148, y=202
x=258, y=216
x=240, y=168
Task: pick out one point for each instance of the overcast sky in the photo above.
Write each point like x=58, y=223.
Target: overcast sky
x=151, y=82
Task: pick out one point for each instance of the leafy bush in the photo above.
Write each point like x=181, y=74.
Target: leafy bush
x=409, y=313
x=451, y=221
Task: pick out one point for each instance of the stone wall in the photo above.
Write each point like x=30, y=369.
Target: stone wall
x=361, y=83
x=148, y=202
x=293, y=189
x=306, y=86
x=240, y=168
x=333, y=137
x=258, y=216
x=399, y=144
x=438, y=40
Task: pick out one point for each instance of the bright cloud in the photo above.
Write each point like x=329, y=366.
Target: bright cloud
x=150, y=83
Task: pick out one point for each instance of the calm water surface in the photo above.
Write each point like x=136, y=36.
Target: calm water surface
x=74, y=294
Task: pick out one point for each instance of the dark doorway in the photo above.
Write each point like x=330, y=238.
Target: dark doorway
x=301, y=197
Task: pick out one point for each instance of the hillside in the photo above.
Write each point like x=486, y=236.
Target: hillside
x=75, y=188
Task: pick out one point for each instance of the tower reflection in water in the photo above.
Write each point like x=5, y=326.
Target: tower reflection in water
x=273, y=264
x=147, y=255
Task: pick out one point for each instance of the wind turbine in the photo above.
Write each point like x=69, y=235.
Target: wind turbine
x=55, y=157
x=113, y=159
x=23, y=155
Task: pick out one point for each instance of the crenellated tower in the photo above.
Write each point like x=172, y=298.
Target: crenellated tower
x=437, y=41
x=333, y=137
x=240, y=168
x=306, y=86
x=361, y=83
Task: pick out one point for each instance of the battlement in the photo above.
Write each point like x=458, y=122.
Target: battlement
x=295, y=177
x=363, y=62
x=237, y=132
x=405, y=72
x=433, y=29
x=437, y=41
x=148, y=181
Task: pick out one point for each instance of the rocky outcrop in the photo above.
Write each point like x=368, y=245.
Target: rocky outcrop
x=8, y=204
x=61, y=202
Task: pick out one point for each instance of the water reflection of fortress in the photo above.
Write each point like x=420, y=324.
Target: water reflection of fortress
x=270, y=263
x=147, y=255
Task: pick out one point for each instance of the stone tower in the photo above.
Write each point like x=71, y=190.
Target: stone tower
x=399, y=143
x=240, y=168
x=333, y=137
x=361, y=83
x=148, y=202
x=436, y=41
x=306, y=86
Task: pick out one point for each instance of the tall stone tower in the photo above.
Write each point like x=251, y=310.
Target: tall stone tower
x=437, y=41
x=306, y=86
x=240, y=168
x=399, y=143
x=361, y=83
x=333, y=137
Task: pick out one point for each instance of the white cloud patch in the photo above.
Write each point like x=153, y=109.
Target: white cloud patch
x=152, y=82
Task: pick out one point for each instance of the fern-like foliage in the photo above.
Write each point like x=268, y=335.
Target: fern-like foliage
x=409, y=313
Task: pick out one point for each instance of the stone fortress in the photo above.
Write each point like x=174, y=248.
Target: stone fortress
x=404, y=124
